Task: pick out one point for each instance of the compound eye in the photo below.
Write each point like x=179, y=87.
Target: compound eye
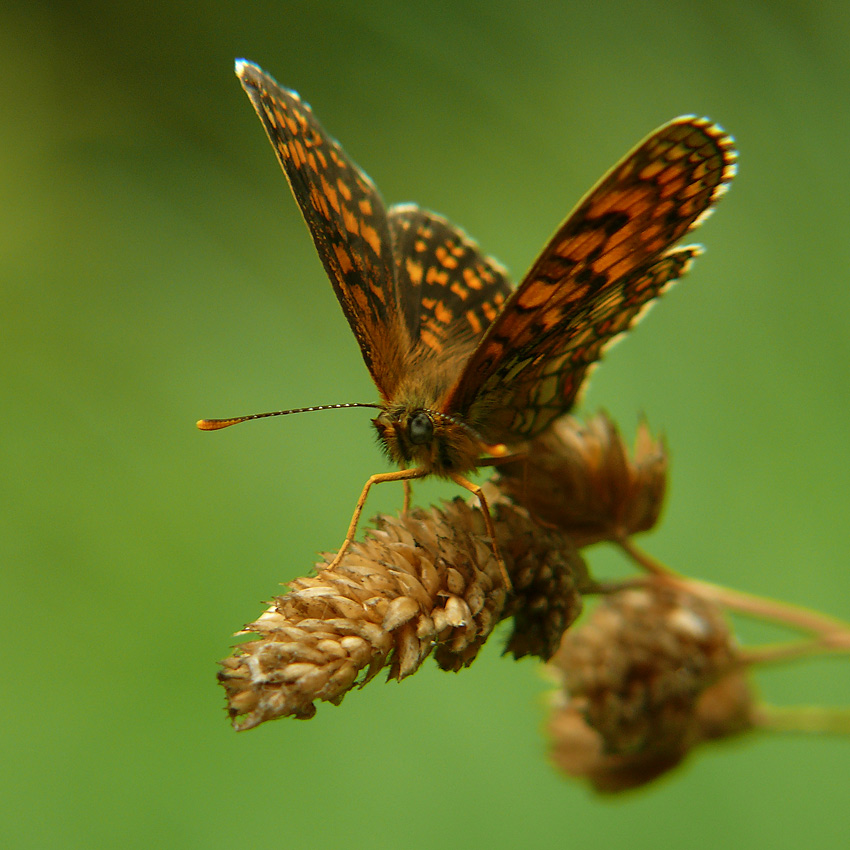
x=420, y=428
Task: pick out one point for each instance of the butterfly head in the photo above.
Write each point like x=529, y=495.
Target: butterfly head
x=417, y=436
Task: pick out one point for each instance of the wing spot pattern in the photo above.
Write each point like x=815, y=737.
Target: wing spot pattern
x=350, y=220
x=330, y=193
x=414, y=271
x=459, y=292
x=371, y=236
x=345, y=191
x=344, y=259
x=433, y=275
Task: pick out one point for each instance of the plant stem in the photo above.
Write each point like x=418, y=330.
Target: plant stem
x=834, y=721
x=832, y=633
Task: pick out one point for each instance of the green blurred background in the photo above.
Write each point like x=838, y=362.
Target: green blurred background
x=155, y=270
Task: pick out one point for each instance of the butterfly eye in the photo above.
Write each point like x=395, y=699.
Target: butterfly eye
x=420, y=428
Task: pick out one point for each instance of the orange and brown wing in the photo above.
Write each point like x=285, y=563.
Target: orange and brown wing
x=347, y=220
x=591, y=282
x=537, y=386
x=451, y=292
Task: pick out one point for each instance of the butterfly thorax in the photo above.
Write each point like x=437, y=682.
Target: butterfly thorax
x=414, y=436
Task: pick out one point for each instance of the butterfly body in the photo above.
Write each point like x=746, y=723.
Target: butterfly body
x=415, y=435
x=467, y=366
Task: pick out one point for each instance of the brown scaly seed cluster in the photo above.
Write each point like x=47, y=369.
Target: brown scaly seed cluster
x=580, y=479
x=652, y=673
x=420, y=583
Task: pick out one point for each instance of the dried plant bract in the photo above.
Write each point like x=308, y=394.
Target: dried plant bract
x=581, y=480
x=653, y=672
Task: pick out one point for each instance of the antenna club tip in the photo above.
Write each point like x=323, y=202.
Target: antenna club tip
x=212, y=424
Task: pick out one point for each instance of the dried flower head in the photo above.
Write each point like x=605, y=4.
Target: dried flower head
x=426, y=581
x=652, y=673
x=579, y=479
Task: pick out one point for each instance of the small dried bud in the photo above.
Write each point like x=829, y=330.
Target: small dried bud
x=580, y=480
x=427, y=581
x=651, y=674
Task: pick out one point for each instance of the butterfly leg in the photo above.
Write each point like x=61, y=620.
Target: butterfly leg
x=516, y=457
x=407, y=495
x=488, y=522
x=404, y=475
x=498, y=461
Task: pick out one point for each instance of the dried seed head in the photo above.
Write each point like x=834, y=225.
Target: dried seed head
x=548, y=576
x=424, y=582
x=579, y=479
x=651, y=674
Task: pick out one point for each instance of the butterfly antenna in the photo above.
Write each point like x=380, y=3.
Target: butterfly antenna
x=217, y=424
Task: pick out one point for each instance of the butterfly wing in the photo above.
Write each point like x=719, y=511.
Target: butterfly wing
x=346, y=218
x=451, y=291
x=535, y=387
x=605, y=263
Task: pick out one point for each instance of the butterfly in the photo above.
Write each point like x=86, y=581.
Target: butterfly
x=468, y=367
